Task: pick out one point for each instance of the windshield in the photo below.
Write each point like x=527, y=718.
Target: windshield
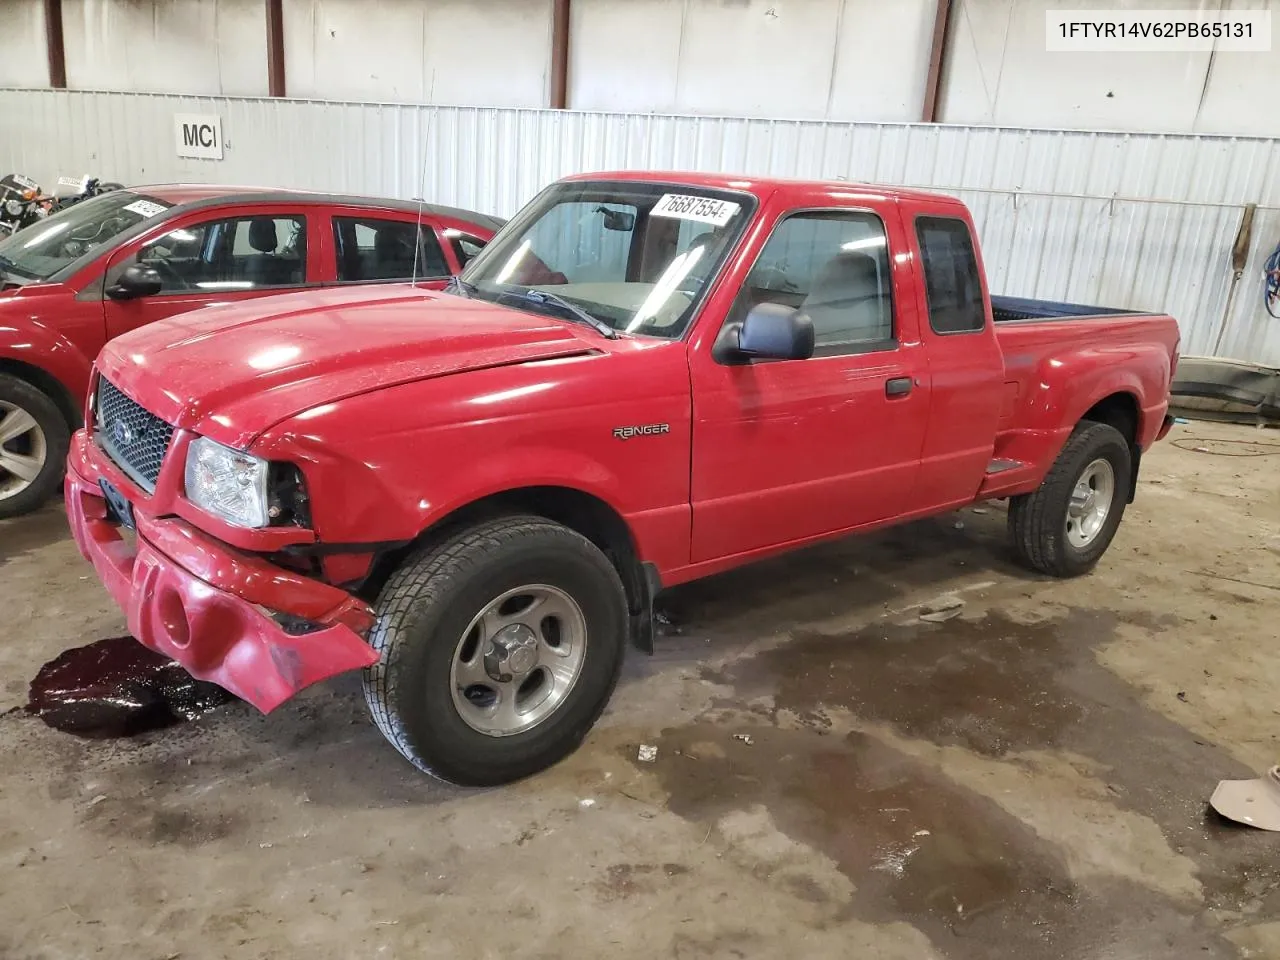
x=39, y=251
x=635, y=256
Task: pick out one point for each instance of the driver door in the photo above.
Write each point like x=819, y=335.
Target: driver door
x=214, y=259
x=791, y=450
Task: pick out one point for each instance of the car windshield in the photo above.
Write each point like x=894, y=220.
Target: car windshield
x=39, y=251
x=635, y=256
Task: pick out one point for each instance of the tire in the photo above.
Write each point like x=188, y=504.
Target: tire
x=47, y=441
x=430, y=607
x=1040, y=523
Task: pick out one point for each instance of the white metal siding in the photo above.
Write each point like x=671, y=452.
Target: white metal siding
x=1128, y=220
x=24, y=59
x=998, y=72
x=218, y=46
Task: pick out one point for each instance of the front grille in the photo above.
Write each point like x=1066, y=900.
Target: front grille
x=134, y=438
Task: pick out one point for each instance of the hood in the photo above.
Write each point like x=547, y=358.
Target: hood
x=230, y=372
x=12, y=286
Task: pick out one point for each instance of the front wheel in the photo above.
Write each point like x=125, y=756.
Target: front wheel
x=1065, y=526
x=34, y=438
x=498, y=649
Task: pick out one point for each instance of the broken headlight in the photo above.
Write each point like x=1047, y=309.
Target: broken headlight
x=228, y=483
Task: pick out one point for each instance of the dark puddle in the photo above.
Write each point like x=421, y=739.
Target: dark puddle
x=834, y=579
x=919, y=848
x=996, y=685
x=978, y=880
x=118, y=688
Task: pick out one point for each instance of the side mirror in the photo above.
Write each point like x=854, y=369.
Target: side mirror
x=770, y=331
x=138, y=280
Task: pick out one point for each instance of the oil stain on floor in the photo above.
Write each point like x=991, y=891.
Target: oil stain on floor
x=916, y=844
x=116, y=687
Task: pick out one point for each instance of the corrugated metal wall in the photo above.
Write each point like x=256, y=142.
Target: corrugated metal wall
x=1133, y=220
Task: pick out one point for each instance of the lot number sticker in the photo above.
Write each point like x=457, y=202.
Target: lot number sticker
x=145, y=208
x=702, y=209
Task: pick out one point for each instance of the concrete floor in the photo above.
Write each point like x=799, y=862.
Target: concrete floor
x=834, y=778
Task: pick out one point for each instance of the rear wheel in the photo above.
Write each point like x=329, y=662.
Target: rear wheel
x=1066, y=525
x=33, y=446
x=499, y=648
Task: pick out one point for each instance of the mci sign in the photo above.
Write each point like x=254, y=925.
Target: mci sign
x=198, y=135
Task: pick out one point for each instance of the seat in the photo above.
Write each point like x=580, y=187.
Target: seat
x=258, y=267
x=845, y=303
x=393, y=256
x=265, y=268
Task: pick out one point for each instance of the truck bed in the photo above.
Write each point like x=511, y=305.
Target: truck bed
x=1020, y=309
x=1063, y=362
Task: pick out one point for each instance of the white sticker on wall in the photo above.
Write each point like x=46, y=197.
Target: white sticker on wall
x=702, y=209
x=198, y=135
x=145, y=208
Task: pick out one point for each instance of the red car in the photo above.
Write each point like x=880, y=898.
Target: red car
x=108, y=265
x=645, y=378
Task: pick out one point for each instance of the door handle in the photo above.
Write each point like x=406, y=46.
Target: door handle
x=898, y=386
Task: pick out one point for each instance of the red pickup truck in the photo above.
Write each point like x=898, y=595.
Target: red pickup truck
x=112, y=263
x=474, y=495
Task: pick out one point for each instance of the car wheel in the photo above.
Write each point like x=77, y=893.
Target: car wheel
x=499, y=647
x=33, y=446
x=1066, y=525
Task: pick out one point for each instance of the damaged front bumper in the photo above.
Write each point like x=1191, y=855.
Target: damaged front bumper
x=228, y=617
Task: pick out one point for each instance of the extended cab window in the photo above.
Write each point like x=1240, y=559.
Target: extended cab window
x=834, y=267
x=950, y=275
x=245, y=253
x=374, y=249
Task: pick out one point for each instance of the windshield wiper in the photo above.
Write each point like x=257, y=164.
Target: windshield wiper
x=461, y=287
x=574, y=311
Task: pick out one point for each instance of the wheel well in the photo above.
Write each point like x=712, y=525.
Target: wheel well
x=1120, y=410
x=47, y=384
x=581, y=512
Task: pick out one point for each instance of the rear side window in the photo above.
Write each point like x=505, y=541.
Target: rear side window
x=372, y=249
x=950, y=275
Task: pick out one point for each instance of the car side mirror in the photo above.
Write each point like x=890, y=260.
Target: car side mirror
x=770, y=331
x=138, y=280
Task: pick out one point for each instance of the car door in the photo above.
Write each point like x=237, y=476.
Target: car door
x=789, y=450
x=215, y=257
x=966, y=366
x=380, y=248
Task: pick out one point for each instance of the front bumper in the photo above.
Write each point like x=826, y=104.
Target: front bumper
x=193, y=598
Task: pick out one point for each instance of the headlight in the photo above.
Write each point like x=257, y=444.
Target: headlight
x=229, y=484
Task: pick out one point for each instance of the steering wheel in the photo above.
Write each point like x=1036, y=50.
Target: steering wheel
x=167, y=273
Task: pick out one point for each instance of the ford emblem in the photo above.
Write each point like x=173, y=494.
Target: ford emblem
x=121, y=433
